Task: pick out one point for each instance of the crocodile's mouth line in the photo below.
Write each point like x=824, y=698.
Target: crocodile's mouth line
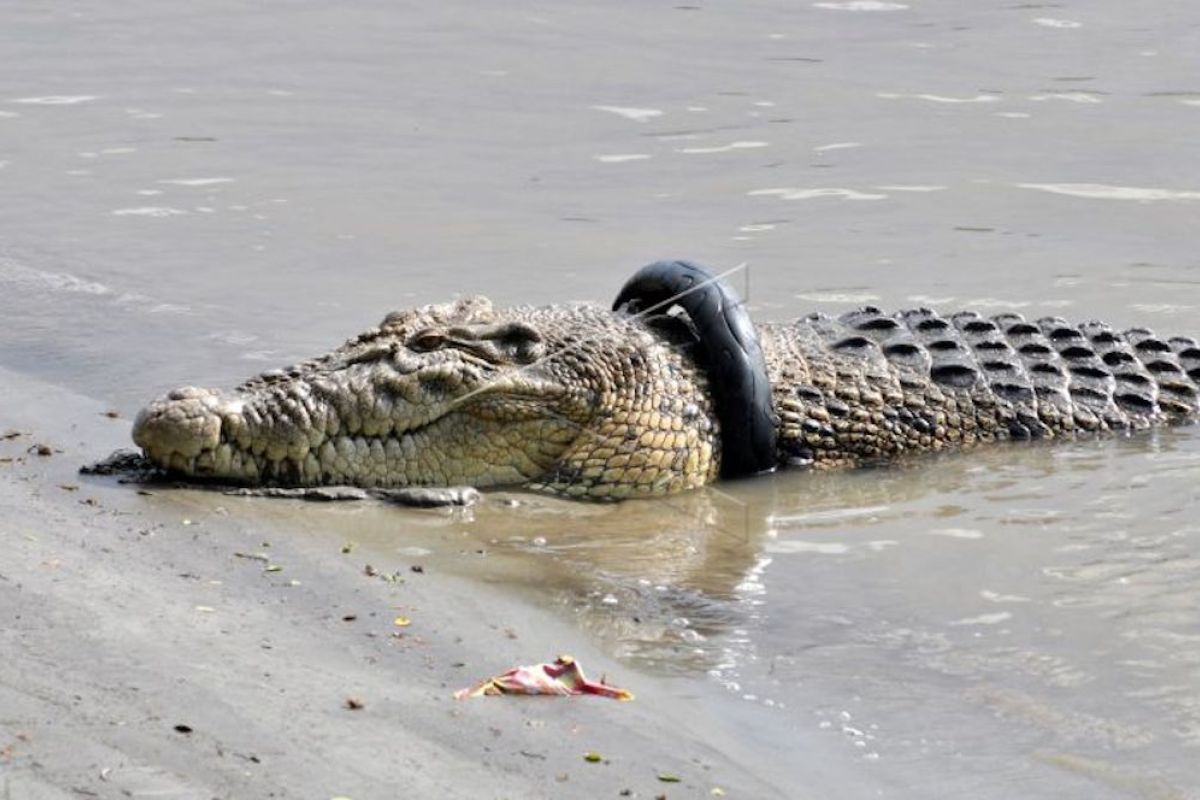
x=259, y=441
x=234, y=463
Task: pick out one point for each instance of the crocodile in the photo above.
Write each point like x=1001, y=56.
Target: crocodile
x=587, y=402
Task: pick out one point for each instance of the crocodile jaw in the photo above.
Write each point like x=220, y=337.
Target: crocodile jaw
x=207, y=434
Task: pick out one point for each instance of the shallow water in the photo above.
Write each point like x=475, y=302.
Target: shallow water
x=190, y=194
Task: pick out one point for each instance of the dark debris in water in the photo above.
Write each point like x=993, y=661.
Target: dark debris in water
x=323, y=494
x=126, y=464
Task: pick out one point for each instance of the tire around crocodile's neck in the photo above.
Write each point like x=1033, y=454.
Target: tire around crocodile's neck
x=727, y=349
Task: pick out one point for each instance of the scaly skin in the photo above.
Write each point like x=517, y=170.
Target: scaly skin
x=577, y=401
x=570, y=399
x=867, y=387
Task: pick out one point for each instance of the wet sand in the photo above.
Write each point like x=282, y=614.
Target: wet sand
x=127, y=616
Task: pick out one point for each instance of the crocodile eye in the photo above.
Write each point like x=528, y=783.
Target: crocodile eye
x=424, y=341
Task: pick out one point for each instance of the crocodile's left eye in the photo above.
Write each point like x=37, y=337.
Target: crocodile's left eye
x=424, y=341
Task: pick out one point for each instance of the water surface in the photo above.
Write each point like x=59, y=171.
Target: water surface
x=193, y=193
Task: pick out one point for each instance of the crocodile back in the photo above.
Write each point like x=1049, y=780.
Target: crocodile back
x=869, y=386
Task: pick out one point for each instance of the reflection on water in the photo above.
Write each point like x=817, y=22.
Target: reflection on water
x=1042, y=596
x=662, y=582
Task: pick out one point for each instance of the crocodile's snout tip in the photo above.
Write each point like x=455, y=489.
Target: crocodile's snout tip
x=176, y=428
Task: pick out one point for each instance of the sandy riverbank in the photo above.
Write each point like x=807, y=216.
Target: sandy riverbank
x=127, y=616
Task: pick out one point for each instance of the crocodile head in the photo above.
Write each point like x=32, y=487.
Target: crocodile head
x=570, y=399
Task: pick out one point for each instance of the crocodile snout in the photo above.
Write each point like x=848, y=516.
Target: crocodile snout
x=180, y=426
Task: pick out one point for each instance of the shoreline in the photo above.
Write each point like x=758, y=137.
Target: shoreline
x=129, y=615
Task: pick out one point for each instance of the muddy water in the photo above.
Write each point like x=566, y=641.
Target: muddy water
x=192, y=193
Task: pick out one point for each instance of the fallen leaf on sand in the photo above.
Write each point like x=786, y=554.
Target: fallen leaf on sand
x=402, y=622
x=593, y=758
x=667, y=777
